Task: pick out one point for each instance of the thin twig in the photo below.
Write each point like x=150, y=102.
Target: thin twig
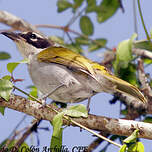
x=96, y=142
x=14, y=131
x=68, y=35
x=121, y=6
x=66, y=29
x=135, y=18
x=142, y=20
x=19, y=123
x=30, y=129
x=74, y=18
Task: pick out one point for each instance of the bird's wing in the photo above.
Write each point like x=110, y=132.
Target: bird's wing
x=66, y=57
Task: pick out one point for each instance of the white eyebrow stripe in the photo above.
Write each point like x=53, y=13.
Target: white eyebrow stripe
x=38, y=35
x=24, y=33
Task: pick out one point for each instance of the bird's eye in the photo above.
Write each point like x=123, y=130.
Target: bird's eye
x=33, y=36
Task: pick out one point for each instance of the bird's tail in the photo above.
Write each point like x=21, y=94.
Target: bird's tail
x=126, y=88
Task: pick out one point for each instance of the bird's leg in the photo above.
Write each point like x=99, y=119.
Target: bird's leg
x=88, y=104
x=43, y=98
x=89, y=99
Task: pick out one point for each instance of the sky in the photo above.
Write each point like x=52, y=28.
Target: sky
x=116, y=29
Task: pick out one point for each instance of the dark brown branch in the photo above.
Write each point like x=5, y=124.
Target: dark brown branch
x=96, y=142
x=31, y=128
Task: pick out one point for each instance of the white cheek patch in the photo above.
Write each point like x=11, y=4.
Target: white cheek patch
x=26, y=49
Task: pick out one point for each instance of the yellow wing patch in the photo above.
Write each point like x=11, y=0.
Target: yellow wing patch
x=66, y=57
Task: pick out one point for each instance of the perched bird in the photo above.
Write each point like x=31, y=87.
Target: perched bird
x=64, y=75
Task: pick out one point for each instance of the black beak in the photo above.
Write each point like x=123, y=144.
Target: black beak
x=11, y=35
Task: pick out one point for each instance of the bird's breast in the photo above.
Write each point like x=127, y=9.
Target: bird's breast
x=47, y=76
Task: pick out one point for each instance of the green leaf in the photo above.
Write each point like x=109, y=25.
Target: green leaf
x=150, y=83
x=57, y=124
x=7, y=77
x=143, y=44
x=124, y=54
x=56, y=142
x=100, y=44
x=114, y=137
x=151, y=33
x=4, y=56
x=136, y=147
x=6, y=88
x=56, y=39
x=147, y=61
x=129, y=74
x=63, y=5
x=76, y=111
x=91, y=7
x=74, y=47
x=123, y=148
x=132, y=138
x=106, y=9
x=148, y=119
x=33, y=92
x=2, y=110
x=82, y=41
x=86, y=25
x=124, y=112
x=77, y=4
x=11, y=66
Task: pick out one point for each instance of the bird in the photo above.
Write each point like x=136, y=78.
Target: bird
x=64, y=75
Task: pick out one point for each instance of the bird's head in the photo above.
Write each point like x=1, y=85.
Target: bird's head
x=29, y=43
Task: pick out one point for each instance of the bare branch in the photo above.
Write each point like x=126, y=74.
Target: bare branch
x=143, y=78
x=16, y=22
x=143, y=53
x=67, y=29
x=31, y=128
x=97, y=142
x=109, y=125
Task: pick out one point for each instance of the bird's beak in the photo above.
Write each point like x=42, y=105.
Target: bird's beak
x=12, y=36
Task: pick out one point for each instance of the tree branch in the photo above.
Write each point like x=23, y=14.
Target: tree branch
x=142, y=52
x=109, y=125
x=31, y=128
x=16, y=23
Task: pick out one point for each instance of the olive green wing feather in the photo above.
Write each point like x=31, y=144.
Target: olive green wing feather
x=66, y=57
